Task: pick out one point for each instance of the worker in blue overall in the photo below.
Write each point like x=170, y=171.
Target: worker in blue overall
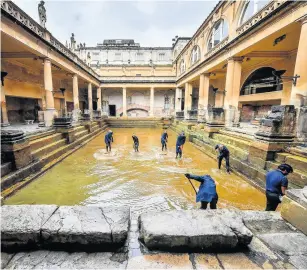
x=223, y=153
x=108, y=139
x=276, y=185
x=179, y=144
x=135, y=143
x=164, y=138
x=206, y=192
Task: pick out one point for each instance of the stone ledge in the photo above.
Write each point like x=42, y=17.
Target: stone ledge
x=211, y=230
x=64, y=227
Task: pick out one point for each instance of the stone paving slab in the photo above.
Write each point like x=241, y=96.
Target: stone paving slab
x=290, y=244
x=236, y=261
x=21, y=224
x=206, y=261
x=89, y=225
x=160, y=261
x=5, y=258
x=193, y=229
x=73, y=227
x=44, y=259
x=300, y=262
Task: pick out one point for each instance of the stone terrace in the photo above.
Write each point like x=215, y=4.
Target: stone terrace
x=274, y=244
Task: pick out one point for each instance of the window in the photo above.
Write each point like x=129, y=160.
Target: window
x=139, y=56
x=251, y=8
x=195, y=55
x=219, y=32
x=166, y=102
x=118, y=56
x=161, y=56
x=182, y=66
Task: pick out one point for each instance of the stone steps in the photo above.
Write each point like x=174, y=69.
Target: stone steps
x=131, y=123
x=42, y=141
x=231, y=141
x=34, y=169
x=6, y=168
x=48, y=148
x=297, y=162
x=81, y=133
x=33, y=137
x=297, y=179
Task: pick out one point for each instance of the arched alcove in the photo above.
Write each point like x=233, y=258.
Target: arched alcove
x=261, y=80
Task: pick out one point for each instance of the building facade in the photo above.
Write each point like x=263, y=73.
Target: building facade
x=245, y=57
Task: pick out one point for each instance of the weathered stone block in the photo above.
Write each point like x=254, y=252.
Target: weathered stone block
x=279, y=124
x=294, y=208
x=193, y=229
x=21, y=224
x=79, y=225
x=302, y=124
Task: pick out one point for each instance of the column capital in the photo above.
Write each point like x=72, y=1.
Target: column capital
x=236, y=59
x=206, y=74
x=47, y=60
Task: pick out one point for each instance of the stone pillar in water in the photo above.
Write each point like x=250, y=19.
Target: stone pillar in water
x=124, y=102
x=152, y=101
x=204, y=84
x=187, y=100
x=90, y=99
x=75, y=88
x=233, y=79
x=50, y=111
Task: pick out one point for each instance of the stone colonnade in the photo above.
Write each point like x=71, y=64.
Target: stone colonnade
x=231, y=94
x=49, y=110
x=151, y=102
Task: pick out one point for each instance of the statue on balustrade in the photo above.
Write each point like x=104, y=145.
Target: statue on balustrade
x=42, y=14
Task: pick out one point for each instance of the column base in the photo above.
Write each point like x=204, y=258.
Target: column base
x=5, y=124
x=49, y=115
x=76, y=114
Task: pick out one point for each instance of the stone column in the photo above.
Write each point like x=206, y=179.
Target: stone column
x=204, y=84
x=5, y=120
x=50, y=112
x=178, y=97
x=233, y=79
x=124, y=102
x=152, y=101
x=98, y=99
x=299, y=91
x=90, y=99
x=75, y=90
x=187, y=100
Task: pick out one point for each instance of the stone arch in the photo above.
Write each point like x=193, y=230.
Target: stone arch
x=218, y=32
x=195, y=55
x=261, y=80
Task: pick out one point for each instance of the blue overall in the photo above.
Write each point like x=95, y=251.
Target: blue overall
x=164, y=141
x=180, y=141
x=207, y=191
x=136, y=143
x=108, y=140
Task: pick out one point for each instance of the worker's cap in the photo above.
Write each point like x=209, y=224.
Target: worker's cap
x=285, y=167
x=216, y=147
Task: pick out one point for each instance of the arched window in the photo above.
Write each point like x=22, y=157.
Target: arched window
x=195, y=55
x=251, y=8
x=219, y=32
x=182, y=66
x=260, y=81
x=166, y=102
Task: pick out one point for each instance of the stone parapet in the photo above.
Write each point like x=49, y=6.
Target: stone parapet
x=67, y=227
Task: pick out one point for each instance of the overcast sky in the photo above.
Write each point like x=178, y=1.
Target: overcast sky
x=151, y=23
